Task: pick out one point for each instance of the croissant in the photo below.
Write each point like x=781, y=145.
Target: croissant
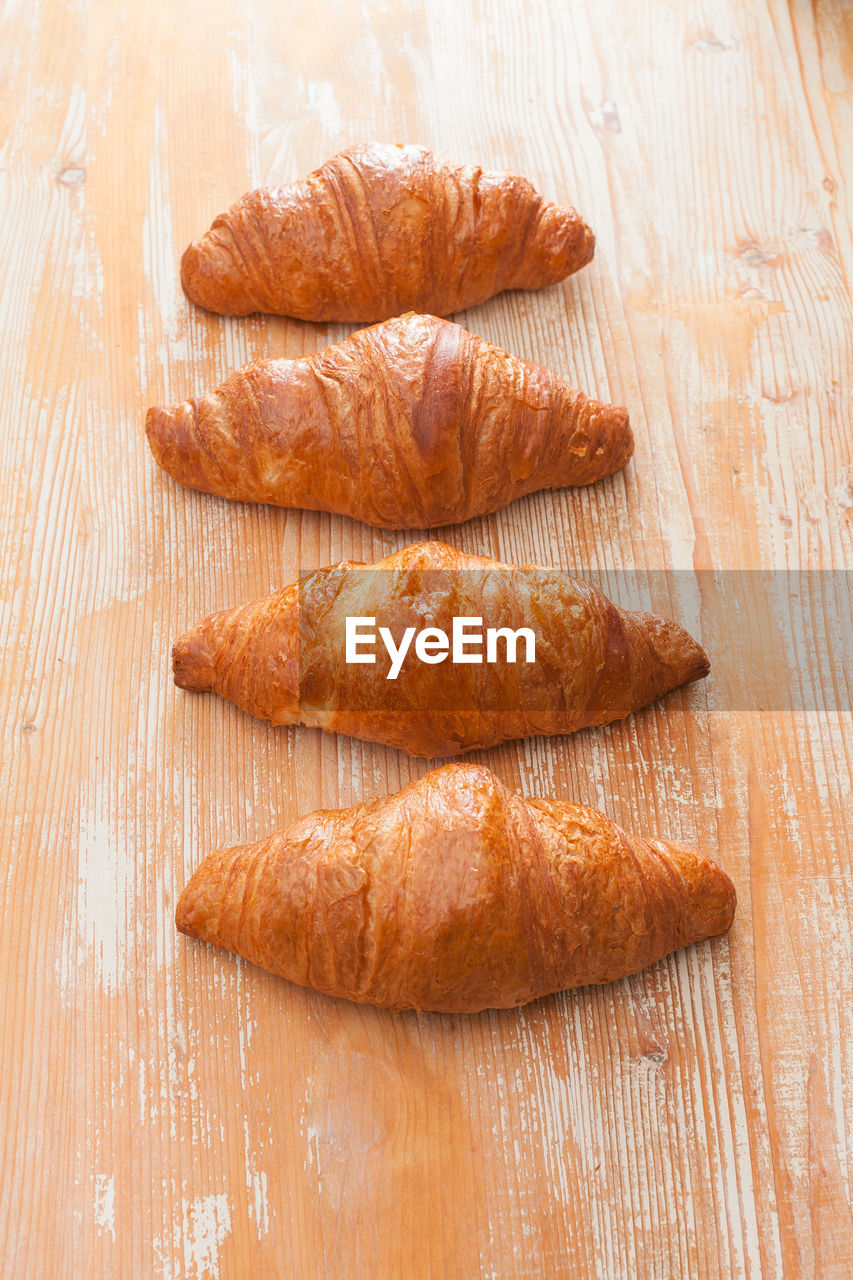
x=455, y=895
x=378, y=230
x=283, y=658
x=411, y=424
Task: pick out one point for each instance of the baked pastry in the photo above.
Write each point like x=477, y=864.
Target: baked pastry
x=284, y=658
x=411, y=424
x=378, y=230
x=455, y=895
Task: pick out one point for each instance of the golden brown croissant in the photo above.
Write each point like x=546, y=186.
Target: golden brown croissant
x=379, y=230
x=408, y=425
x=283, y=657
x=455, y=895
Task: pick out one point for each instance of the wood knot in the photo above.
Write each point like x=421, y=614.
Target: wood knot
x=656, y=1055
x=757, y=255
x=652, y=1052
x=71, y=176
x=710, y=42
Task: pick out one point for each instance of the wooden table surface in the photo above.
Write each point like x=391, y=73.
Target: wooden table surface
x=171, y=1112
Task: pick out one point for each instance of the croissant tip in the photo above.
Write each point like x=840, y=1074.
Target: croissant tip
x=190, y=912
x=189, y=271
x=175, y=441
x=192, y=667
x=712, y=897
x=622, y=436
x=695, y=666
x=156, y=420
x=213, y=274
x=193, y=914
x=586, y=251
x=182, y=915
x=571, y=231
x=696, y=661
x=201, y=276
x=684, y=655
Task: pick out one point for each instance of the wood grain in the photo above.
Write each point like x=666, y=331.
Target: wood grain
x=169, y=1112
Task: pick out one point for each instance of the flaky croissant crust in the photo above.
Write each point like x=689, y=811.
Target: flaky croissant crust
x=455, y=895
x=282, y=657
x=413, y=423
x=379, y=230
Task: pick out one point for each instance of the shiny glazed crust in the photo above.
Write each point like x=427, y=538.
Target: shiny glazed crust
x=282, y=657
x=411, y=424
x=455, y=895
x=378, y=230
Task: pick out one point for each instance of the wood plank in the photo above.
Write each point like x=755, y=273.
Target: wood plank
x=172, y=1112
